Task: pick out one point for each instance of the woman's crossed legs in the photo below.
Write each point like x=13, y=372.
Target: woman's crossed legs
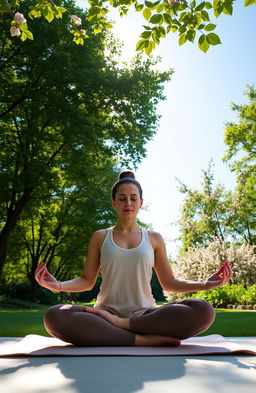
x=165, y=325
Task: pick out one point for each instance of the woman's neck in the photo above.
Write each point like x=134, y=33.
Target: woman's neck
x=126, y=226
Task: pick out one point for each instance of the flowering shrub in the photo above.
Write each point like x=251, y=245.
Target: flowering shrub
x=200, y=262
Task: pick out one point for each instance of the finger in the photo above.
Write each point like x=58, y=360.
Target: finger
x=228, y=269
x=39, y=270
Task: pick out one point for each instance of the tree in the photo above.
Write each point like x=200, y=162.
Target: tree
x=204, y=212
x=185, y=18
x=240, y=138
x=56, y=228
x=212, y=213
x=65, y=109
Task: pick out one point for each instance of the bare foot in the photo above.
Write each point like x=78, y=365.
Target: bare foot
x=123, y=323
x=149, y=340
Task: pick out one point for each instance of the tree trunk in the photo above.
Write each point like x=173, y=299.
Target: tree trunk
x=11, y=221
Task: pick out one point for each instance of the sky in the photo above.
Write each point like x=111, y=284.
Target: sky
x=194, y=114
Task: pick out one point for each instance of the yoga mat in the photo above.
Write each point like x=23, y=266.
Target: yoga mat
x=34, y=345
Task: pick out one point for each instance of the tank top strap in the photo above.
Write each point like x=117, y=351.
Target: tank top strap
x=145, y=237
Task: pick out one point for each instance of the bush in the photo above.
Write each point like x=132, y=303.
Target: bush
x=249, y=297
x=222, y=296
x=21, y=291
x=17, y=290
x=200, y=262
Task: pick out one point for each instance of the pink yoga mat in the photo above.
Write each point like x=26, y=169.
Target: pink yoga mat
x=34, y=345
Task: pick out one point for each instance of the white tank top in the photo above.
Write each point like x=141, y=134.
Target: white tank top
x=126, y=275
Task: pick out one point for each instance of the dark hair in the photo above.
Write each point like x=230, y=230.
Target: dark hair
x=125, y=177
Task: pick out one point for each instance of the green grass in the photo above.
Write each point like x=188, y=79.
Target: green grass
x=233, y=323
x=20, y=322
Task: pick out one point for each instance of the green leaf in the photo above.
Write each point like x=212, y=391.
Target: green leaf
x=139, y=7
x=141, y=44
x=218, y=10
x=34, y=14
x=167, y=19
x=228, y=8
x=216, y=4
x=108, y=25
x=208, y=5
x=146, y=34
x=205, y=16
x=191, y=35
x=150, y=5
x=193, y=4
x=155, y=37
x=160, y=8
x=149, y=48
x=62, y=9
x=97, y=29
x=23, y=36
x=155, y=19
x=203, y=44
x=213, y=39
x=49, y=16
x=23, y=27
x=162, y=31
x=146, y=13
x=210, y=27
x=249, y=2
x=200, y=7
x=182, y=39
x=29, y=34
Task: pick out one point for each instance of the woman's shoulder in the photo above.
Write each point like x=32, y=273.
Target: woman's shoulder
x=99, y=235
x=155, y=238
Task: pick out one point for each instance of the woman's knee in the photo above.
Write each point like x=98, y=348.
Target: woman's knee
x=207, y=311
x=57, y=318
x=202, y=316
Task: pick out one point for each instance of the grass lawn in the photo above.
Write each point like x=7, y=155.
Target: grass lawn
x=20, y=322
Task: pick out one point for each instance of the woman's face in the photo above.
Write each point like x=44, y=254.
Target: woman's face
x=127, y=201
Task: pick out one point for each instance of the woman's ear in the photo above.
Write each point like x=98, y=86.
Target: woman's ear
x=113, y=203
x=141, y=202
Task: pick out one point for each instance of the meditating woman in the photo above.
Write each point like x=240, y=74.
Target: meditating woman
x=125, y=313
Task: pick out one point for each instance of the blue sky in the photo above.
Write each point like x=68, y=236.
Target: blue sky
x=198, y=103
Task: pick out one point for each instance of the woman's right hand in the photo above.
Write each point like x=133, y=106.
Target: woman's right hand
x=45, y=279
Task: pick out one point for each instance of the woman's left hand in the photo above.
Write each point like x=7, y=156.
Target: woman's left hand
x=221, y=277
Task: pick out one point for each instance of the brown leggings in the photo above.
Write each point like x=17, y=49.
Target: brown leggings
x=181, y=319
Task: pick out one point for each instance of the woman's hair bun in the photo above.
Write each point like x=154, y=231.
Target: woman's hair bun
x=125, y=174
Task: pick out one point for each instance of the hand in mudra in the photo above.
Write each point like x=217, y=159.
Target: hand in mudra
x=221, y=277
x=45, y=279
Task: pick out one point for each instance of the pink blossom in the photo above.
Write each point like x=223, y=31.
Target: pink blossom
x=19, y=18
x=82, y=31
x=76, y=20
x=15, y=31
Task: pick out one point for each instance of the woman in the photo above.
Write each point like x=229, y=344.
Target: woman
x=125, y=313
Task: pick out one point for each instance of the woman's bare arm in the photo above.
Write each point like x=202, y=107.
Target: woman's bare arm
x=170, y=283
x=89, y=274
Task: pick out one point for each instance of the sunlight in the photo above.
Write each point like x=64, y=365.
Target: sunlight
x=35, y=379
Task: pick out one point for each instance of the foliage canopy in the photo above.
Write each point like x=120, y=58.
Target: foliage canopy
x=70, y=116
x=189, y=19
